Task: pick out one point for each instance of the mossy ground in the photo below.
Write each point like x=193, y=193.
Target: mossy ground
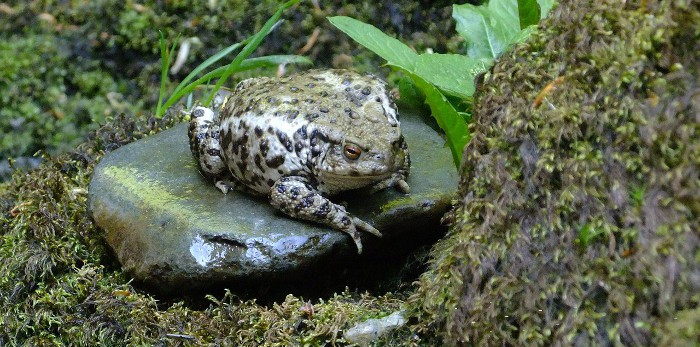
x=580, y=217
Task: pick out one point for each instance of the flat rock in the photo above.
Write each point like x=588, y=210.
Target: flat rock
x=173, y=231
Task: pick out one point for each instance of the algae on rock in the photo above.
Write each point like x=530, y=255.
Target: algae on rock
x=580, y=217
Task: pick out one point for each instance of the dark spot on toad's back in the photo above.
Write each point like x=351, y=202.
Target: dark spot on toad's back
x=275, y=161
x=198, y=113
x=313, y=139
x=301, y=132
x=284, y=140
x=258, y=131
x=264, y=147
x=244, y=152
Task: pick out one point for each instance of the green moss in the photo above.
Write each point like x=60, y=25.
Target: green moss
x=580, y=212
x=49, y=102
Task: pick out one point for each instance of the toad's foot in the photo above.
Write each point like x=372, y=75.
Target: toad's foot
x=295, y=197
x=397, y=180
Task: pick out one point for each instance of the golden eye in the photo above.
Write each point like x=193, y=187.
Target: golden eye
x=352, y=152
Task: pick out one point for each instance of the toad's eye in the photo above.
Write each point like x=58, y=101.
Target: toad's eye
x=352, y=152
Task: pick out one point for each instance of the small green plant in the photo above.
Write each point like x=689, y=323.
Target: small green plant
x=447, y=80
x=239, y=63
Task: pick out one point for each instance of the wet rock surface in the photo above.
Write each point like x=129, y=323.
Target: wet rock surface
x=175, y=232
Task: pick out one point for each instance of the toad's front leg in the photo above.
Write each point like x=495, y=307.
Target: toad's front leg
x=295, y=197
x=205, y=144
x=398, y=178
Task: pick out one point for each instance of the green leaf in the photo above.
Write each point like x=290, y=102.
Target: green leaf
x=528, y=12
x=545, y=7
x=210, y=61
x=410, y=94
x=447, y=117
x=166, y=57
x=491, y=29
x=488, y=29
x=387, y=47
x=453, y=74
x=524, y=34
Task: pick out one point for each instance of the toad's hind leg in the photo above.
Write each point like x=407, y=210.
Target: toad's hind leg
x=205, y=145
x=295, y=197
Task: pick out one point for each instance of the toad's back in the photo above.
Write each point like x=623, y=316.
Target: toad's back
x=271, y=128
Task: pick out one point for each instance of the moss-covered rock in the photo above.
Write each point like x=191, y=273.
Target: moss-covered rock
x=580, y=217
